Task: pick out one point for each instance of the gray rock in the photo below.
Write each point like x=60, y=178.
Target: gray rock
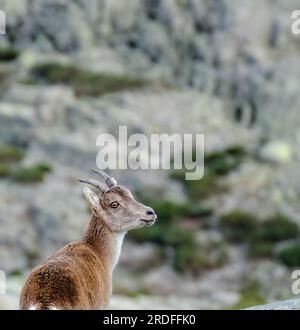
x=277, y=152
x=293, y=304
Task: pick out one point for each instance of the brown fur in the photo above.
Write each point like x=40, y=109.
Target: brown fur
x=79, y=276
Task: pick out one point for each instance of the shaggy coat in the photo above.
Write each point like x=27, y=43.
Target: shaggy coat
x=79, y=276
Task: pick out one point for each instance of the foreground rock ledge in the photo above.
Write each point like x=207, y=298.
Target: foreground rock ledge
x=293, y=304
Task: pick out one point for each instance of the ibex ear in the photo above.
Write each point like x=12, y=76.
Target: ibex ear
x=92, y=198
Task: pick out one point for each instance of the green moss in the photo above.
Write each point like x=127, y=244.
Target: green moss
x=16, y=272
x=273, y=230
x=164, y=235
x=28, y=81
x=290, y=255
x=205, y=187
x=54, y=73
x=178, y=175
x=172, y=235
x=225, y=161
x=153, y=234
x=199, y=189
x=188, y=255
x=85, y=83
x=10, y=154
x=121, y=290
x=44, y=167
x=4, y=170
x=169, y=232
x=250, y=296
x=217, y=163
x=166, y=210
x=238, y=226
x=187, y=258
x=278, y=228
x=260, y=249
x=236, y=151
x=179, y=236
x=138, y=293
x=196, y=210
x=8, y=54
x=194, y=259
x=31, y=174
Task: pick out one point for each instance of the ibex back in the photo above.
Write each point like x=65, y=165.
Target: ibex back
x=79, y=276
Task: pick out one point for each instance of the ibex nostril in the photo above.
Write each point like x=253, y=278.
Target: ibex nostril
x=150, y=212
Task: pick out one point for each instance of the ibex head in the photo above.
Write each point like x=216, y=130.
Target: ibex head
x=116, y=205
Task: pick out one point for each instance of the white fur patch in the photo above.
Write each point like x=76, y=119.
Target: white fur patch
x=119, y=237
x=32, y=308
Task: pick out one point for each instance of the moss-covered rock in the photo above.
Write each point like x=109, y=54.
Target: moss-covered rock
x=278, y=228
x=85, y=83
x=4, y=170
x=31, y=174
x=273, y=230
x=198, y=189
x=197, y=258
x=250, y=296
x=10, y=153
x=8, y=54
x=260, y=249
x=238, y=226
x=224, y=161
x=290, y=255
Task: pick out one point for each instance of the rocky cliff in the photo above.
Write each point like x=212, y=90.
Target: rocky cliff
x=71, y=70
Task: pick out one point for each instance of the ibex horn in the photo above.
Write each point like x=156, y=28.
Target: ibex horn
x=95, y=184
x=109, y=180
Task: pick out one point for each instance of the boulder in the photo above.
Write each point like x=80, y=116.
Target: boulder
x=277, y=152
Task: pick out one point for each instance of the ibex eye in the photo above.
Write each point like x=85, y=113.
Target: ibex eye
x=114, y=205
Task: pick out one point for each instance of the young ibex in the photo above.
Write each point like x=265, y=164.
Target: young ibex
x=79, y=276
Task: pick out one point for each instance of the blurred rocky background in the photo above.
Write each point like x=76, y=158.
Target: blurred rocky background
x=71, y=70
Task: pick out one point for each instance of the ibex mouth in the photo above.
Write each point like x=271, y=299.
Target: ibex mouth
x=148, y=222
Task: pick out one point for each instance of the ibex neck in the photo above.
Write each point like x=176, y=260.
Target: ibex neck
x=105, y=243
